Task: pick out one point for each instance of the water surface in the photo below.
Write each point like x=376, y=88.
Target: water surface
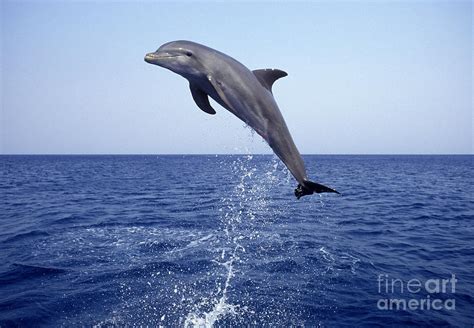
x=203, y=240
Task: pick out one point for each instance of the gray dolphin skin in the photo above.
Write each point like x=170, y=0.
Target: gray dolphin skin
x=246, y=94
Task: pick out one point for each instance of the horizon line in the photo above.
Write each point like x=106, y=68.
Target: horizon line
x=234, y=154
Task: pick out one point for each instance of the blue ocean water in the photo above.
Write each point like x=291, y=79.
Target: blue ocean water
x=198, y=241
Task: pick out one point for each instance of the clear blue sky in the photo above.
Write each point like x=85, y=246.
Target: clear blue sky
x=364, y=77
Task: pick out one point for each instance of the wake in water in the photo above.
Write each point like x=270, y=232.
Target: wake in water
x=243, y=214
x=220, y=307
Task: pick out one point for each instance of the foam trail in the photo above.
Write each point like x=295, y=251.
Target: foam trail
x=221, y=308
x=238, y=209
x=244, y=212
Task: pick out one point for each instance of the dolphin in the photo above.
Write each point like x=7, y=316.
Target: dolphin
x=246, y=94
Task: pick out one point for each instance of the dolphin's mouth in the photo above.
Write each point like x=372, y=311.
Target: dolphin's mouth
x=152, y=57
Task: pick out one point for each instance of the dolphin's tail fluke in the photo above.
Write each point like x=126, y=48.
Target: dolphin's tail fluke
x=310, y=187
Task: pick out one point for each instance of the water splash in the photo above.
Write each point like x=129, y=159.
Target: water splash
x=242, y=216
x=220, y=307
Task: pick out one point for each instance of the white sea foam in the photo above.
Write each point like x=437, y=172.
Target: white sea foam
x=220, y=306
x=241, y=219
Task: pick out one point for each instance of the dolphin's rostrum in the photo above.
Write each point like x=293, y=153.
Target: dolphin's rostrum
x=246, y=94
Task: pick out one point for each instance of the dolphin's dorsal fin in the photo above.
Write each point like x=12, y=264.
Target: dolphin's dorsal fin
x=268, y=76
x=201, y=99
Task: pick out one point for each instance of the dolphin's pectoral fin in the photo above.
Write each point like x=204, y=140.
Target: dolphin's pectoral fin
x=201, y=99
x=268, y=76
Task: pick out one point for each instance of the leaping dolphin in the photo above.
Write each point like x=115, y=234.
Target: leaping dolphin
x=246, y=94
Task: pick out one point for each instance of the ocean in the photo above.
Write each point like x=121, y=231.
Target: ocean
x=220, y=240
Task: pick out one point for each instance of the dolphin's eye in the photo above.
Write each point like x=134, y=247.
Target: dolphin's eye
x=189, y=53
